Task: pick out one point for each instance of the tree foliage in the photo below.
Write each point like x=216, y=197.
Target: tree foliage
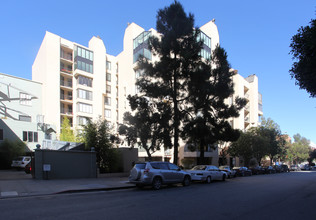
x=66, y=133
x=97, y=136
x=208, y=88
x=148, y=126
x=177, y=50
x=10, y=150
x=258, y=142
x=299, y=150
x=303, y=46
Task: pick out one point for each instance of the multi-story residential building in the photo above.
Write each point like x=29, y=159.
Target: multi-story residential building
x=251, y=114
x=82, y=82
x=21, y=112
x=79, y=82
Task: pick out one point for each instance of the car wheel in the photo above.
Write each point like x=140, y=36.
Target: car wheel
x=157, y=182
x=186, y=181
x=224, y=178
x=208, y=179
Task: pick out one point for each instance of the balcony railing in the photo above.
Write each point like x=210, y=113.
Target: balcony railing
x=66, y=56
x=66, y=83
x=66, y=70
x=65, y=97
x=66, y=111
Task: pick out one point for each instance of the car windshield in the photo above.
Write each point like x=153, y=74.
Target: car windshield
x=201, y=167
x=18, y=158
x=223, y=167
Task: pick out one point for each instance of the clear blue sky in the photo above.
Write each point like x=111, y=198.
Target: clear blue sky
x=255, y=34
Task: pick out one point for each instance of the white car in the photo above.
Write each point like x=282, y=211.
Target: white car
x=207, y=173
x=20, y=162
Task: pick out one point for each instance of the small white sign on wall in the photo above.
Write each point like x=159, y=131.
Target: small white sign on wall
x=46, y=167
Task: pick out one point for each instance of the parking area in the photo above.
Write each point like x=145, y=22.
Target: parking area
x=14, y=174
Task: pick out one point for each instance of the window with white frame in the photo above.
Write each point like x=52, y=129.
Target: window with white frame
x=83, y=120
x=83, y=107
x=84, y=94
x=107, y=113
x=108, y=65
x=25, y=99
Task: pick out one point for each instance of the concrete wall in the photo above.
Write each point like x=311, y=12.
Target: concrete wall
x=128, y=157
x=65, y=164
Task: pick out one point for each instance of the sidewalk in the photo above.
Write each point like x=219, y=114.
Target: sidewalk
x=16, y=184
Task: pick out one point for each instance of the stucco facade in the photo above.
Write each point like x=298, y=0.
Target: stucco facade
x=82, y=82
x=21, y=111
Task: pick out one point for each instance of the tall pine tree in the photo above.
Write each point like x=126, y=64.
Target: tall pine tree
x=177, y=49
x=207, y=121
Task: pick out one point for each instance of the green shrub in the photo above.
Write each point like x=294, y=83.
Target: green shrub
x=10, y=150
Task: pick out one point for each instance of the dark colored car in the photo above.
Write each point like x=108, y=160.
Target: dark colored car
x=284, y=168
x=269, y=170
x=277, y=168
x=306, y=167
x=242, y=171
x=257, y=170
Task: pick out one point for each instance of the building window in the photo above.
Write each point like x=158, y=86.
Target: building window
x=1, y=134
x=85, y=81
x=83, y=59
x=107, y=100
x=108, y=89
x=30, y=136
x=108, y=65
x=25, y=118
x=140, y=46
x=35, y=137
x=107, y=113
x=86, y=108
x=84, y=94
x=108, y=77
x=83, y=120
x=206, y=50
x=25, y=99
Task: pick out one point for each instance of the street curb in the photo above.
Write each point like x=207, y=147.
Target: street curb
x=94, y=189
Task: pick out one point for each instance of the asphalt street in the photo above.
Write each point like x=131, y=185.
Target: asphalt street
x=276, y=196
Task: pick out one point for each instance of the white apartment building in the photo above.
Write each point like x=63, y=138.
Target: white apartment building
x=78, y=82
x=82, y=82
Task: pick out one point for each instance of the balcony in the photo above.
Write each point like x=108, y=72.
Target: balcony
x=66, y=56
x=67, y=98
x=66, y=70
x=66, y=83
x=67, y=112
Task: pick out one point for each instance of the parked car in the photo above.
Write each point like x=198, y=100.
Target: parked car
x=277, y=168
x=28, y=168
x=295, y=168
x=242, y=171
x=230, y=172
x=20, y=162
x=269, y=170
x=306, y=167
x=157, y=174
x=207, y=173
x=257, y=170
x=284, y=168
